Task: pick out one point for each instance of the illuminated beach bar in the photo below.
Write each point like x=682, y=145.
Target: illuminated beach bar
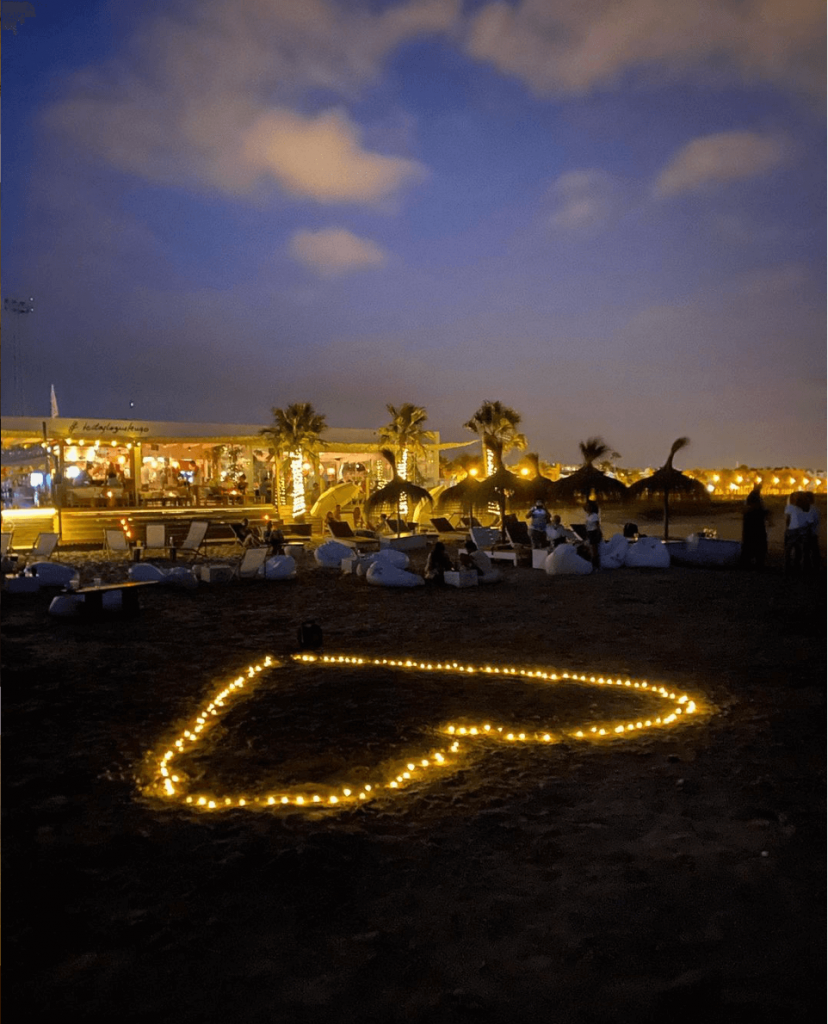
x=71, y=465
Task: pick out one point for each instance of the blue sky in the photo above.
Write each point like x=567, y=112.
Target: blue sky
x=607, y=214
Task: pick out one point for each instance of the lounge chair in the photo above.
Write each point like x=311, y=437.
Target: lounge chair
x=471, y=521
x=44, y=546
x=116, y=542
x=444, y=528
x=487, y=539
x=517, y=533
x=156, y=537
x=7, y=539
x=345, y=535
x=250, y=563
x=194, y=540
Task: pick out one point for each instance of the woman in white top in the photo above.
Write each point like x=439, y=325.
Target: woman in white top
x=796, y=531
x=593, y=531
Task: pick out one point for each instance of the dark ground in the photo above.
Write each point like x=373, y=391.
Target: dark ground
x=678, y=876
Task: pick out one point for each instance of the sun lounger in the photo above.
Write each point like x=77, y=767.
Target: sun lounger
x=443, y=526
x=250, y=563
x=194, y=540
x=7, y=539
x=116, y=542
x=44, y=546
x=155, y=537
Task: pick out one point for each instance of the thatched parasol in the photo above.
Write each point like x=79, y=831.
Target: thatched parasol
x=667, y=481
x=389, y=496
x=583, y=482
x=538, y=487
x=588, y=479
x=461, y=497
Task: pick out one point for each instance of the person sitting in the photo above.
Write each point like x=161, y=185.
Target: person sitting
x=247, y=535
x=273, y=538
x=556, y=532
x=438, y=563
x=472, y=558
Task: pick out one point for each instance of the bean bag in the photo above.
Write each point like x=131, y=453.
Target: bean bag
x=383, y=574
x=279, y=567
x=66, y=605
x=487, y=572
x=53, y=574
x=331, y=552
x=21, y=585
x=178, y=577
x=181, y=577
x=565, y=561
x=612, y=553
x=146, y=571
x=390, y=555
x=648, y=553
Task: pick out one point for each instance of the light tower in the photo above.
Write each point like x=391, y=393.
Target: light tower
x=18, y=308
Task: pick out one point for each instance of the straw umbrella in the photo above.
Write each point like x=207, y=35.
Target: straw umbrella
x=538, y=487
x=667, y=480
x=502, y=485
x=588, y=479
x=393, y=491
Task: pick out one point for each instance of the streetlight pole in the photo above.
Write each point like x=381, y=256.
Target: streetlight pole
x=19, y=307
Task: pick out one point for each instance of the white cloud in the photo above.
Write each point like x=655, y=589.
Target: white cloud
x=211, y=94
x=574, y=47
x=719, y=159
x=332, y=252
x=584, y=201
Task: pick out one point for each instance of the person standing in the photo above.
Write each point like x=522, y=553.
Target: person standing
x=538, y=520
x=796, y=531
x=754, y=531
x=811, y=556
x=593, y=531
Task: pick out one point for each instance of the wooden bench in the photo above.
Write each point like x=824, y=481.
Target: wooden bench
x=93, y=596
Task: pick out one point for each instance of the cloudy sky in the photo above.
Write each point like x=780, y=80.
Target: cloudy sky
x=609, y=214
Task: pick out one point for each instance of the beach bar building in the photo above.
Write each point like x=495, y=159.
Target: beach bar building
x=60, y=472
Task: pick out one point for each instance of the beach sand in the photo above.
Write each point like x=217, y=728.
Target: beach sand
x=672, y=876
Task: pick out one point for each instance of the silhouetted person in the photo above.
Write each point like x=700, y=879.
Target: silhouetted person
x=754, y=531
x=593, y=531
x=438, y=563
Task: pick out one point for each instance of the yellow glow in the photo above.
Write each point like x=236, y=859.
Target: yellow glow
x=208, y=715
x=472, y=472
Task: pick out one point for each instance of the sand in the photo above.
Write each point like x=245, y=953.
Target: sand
x=675, y=875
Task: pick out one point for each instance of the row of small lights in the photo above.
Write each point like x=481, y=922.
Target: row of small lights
x=170, y=785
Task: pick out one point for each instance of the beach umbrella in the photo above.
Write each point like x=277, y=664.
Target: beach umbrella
x=588, y=479
x=461, y=497
x=339, y=494
x=424, y=510
x=583, y=482
x=390, y=495
x=667, y=480
x=537, y=487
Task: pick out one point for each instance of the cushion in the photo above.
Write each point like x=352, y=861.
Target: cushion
x=66, y=605
x=565, y=561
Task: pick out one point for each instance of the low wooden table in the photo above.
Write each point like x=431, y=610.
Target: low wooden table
x=93, y=596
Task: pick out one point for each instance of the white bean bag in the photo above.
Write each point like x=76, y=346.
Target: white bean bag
x=66, y=605
x=383, y=574
x=279, y=567
x=146, y=571
x=396, y=558
x=488, y=573
x=648, y=553
x=22, y=585
x=177, y=577
x=565, y=561
x=181, y=577
x=52, y=574
x=612, y=553
x=331, y=553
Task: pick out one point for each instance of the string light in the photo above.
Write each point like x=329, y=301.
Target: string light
x=173, y=786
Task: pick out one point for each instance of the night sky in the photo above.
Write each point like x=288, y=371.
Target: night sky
x=609, y=214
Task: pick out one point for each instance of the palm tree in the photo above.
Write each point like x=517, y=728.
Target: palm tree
x=392, y=494
x=666, y=480
x=499, y=423
x=405, y=435
x=589, y=478
x=295, y=437
x=501, y=485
